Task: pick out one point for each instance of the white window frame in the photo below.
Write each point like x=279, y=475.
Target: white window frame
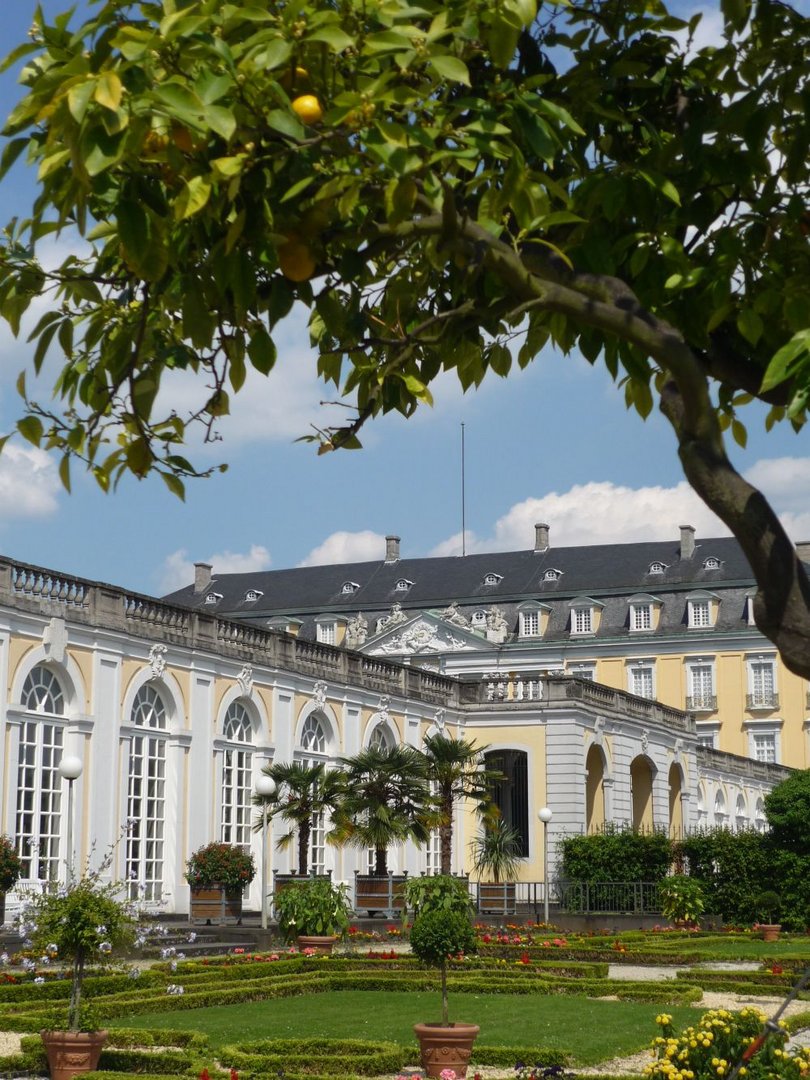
x=708, y=733
x=236, y=789
x=552, y=574
x=701, y=699
x=638, y=670
x=213, y=597
x=580, y=670
x=492, y=578
x=758, y=732
x=582, y=614
x=403, y=585
x=146, y=795
x=759, y=697
x=700, y=613
x=326, y=632
x=657, y=567
x=641, y=617
x=252, y=595
x=530, y=623
x=479, y=618
x=712, y=563
x=312, y=749
x=349, y=587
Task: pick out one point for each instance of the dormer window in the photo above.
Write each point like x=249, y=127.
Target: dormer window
x=657, y=568
x=403, y=585
x=701, y=610
x=213, y=598
x=530, y=624
x=712, y=563
x=479, y=618
x=585, y=615
x=552, y=575
x=349, y=587
x=252, y=595
x=493, y=579
x=327, y=633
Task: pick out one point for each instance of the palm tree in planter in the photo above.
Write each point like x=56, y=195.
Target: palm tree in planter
x=455, y=771
x=302, y=792
x=386, y=801
x=496, y=852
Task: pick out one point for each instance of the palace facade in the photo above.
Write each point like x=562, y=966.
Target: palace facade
x=174, y=706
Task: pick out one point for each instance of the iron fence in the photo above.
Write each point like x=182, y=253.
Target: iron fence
x=608, y=897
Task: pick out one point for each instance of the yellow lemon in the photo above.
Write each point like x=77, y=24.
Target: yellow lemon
x=295, y=259
x=307, y=108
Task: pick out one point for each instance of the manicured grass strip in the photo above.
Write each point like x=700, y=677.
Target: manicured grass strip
x=591, y=1030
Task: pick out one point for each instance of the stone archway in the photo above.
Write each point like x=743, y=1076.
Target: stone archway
x=594, y=789
x=642, y=772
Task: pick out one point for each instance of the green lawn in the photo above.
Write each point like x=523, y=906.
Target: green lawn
x=592, y=1030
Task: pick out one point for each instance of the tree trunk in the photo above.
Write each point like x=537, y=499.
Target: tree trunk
x=381, y=862
x=74, y=1006
x=304, y=831
x=445, y=1008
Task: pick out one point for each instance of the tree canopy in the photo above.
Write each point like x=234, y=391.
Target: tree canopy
x=445, y=185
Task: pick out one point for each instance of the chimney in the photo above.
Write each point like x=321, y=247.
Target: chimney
x=803, y=550
x=202, y=576
x=392, y=549
x=541, y=537
x=687, y=541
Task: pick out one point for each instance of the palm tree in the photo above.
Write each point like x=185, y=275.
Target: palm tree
x=454, y=769
x=386, y=801
x=302, y=792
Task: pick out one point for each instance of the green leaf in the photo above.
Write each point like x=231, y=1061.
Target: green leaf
x=785, y=361
x=662, y=184
x=738, y=432
x=262, y=350
x=30, y=427
x=750, y=325
x=79, y=98
x=333, y=36
x=11, y=151
x=133, y=229
x=64, y=472
x=220, y=120
x=286, y=123
x=175, y=485
x=192, y=198
x=736, y=13
x=108, y=90
x=450, y=67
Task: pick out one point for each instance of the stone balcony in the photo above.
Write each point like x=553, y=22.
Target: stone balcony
x=708, y=758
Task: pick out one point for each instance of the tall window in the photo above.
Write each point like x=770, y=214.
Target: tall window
x=511, y=794
x=326, y=633
x=237, y=775
x=146, y=796
x=433, y=849
x=39, y=786
x=762, y=685
x=381, y=739
x=529, y=623
x=641, y=681
x=764, y=746
x=582, y=620
x=701, y=688
x=313, y=741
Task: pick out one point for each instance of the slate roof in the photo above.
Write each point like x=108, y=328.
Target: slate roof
x=608, y=572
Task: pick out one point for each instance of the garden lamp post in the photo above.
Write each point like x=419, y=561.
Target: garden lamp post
x=545, y=815
x=70, y=769
x=265, y=786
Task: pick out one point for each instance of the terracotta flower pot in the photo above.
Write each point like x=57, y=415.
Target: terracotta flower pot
x=446, y=1047
x=72, y=1052
x=321, y=945
x=770, y=931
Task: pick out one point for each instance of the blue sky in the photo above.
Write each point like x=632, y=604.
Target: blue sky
x=553, y=443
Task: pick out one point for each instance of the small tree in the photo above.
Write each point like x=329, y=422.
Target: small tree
x=438, y=935
x=496, y=851
x=787, y=809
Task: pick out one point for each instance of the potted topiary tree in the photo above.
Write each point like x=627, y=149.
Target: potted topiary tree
x=768, y=906
x=77, y=925
x=218, y=874
x=313, y=912
x=437, y=935
x=10, y=870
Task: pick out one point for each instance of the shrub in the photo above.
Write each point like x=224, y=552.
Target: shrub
x=681, y=899
x=220, y=864
x=442, y=892
x=733, y=869
x=10, y=865
x=768, y=906
x=616, y=854
x=313, y=907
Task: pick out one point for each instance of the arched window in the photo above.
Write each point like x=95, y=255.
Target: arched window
x=381, y=738
x=720, y=812
x=313, y=741
x=511, y=794
x=237, y=776
x=760, y=821
x=740, y=814
x=146, y=796
x=39, y=786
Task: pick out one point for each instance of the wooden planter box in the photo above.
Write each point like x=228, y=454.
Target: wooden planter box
x=496, y=898
x=373, y=894
x=215, y=905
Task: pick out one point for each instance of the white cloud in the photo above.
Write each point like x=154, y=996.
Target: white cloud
x=364, y=546
x=28, y=482
x=602, y=512
x=178, y=568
